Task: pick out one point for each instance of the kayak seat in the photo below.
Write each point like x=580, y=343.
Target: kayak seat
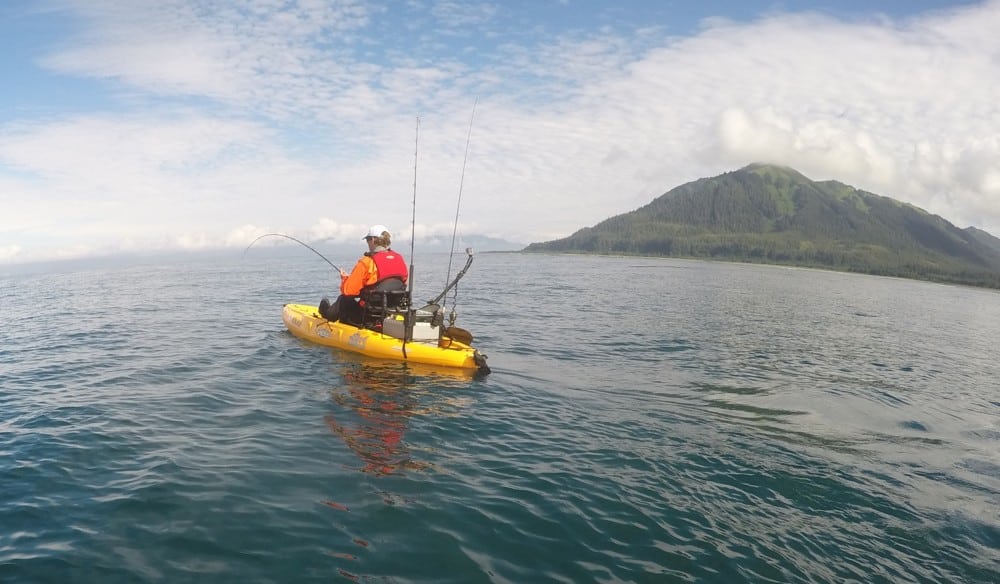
x=386, y=298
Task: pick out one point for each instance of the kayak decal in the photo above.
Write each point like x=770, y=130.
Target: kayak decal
x=356, y=340
x=323, y=332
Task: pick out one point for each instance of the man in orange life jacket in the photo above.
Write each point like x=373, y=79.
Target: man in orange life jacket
x=379, y=269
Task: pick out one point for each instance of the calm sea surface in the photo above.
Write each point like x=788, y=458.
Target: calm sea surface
x=646, y=420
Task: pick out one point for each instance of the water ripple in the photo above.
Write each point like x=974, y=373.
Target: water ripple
x=729, y=424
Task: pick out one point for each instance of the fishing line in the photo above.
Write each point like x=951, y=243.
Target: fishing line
x=296, y=241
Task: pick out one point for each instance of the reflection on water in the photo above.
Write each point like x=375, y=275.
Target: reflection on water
x=377, y=403
x=373, y=407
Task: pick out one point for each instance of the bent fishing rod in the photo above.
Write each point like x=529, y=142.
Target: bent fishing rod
x=309, y=247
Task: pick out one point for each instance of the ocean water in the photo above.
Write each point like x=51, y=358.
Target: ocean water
x=646, y=420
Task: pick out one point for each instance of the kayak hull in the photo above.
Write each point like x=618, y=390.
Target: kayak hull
x=304, y=321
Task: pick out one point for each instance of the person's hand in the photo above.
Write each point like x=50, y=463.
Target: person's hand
x=343, y=275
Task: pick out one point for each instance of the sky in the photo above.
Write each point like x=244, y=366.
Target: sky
x=162, y=125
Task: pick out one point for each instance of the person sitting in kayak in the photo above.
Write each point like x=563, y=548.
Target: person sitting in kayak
x=379, y=269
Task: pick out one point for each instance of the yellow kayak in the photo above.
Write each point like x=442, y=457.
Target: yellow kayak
x=429, y=346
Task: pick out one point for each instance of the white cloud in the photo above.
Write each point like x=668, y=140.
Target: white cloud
x=245, y=118
x=837, y=147
x=462, y=14
x=9, y=252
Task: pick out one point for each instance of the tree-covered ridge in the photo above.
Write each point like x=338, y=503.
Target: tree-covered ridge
x=771, y=214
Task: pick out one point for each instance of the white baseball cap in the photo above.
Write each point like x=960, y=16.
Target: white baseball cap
x=376, y=231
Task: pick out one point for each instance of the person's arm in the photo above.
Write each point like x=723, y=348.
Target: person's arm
x=352, y=285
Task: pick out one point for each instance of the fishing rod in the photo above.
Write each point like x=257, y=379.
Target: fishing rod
x=461, y=185
x=413, y=217
x=296, y=241
x=468, y=262
x=409, y=317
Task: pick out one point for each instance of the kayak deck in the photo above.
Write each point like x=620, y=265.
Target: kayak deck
x=304, y=321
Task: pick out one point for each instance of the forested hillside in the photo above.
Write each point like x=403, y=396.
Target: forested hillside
x=771, y=214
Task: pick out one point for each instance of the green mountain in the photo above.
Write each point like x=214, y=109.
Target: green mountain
x=771, y=214
x=984, y=238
